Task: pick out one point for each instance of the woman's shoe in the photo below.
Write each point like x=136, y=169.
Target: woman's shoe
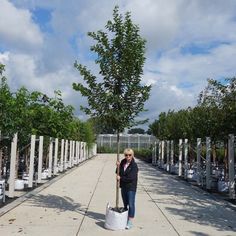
x=129, y=225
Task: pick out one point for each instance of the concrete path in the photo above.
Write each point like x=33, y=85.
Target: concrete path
x=75, y=205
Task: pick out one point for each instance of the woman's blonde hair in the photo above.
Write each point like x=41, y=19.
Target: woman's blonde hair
x=129, y=150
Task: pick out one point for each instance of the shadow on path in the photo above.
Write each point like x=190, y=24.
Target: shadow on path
x=63, y=204
x=185, y=202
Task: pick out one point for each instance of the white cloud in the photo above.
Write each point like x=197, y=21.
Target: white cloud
x=158, y=20
x=4, y=57
x=17, y=30
x=168, y=26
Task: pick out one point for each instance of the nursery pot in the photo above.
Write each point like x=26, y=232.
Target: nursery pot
x=26, y=179
x=19, y=184
x=2, y=182
x=190, y=173
x=223, y=186
x=116, y=219
x=45, y=174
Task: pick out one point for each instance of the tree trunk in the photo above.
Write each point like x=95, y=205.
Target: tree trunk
x=191, y=156
x=27, y=160
x=118, y=170
x=214, y=153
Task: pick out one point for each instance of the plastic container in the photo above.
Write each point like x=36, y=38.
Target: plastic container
x=2, y=182
x=26, y=179
x=115, y=220
x=44, y=174
x=19, y=184
x=223, y=186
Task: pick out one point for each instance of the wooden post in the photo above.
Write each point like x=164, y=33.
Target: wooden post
x=66, y=155
x=208, y=163
x=168, y=156
x=95, y=149
x=85, y=151
x=162, y=153
x=32, y=155
x=76, y=152
x=70, y=154
x=180, y=156
x=50, y=158
x=62, y=155
x=171, y=154
x=12, y=167
x=159, y=153
x=199, y=149
x=40, y=159
x=185, y=158
x=155, y=153
x=79, y=152
x=231, y=167
x=118, y=169
x=77, y=155
x=73, y=154
x=82, y=151
x=55, y=157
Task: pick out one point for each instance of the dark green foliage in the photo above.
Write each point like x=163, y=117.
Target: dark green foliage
x=104, y=149
x=6, y=106
x=143, y=154
x=136, y=131
x=116, y=96
x=35, y=113
x=214, y=116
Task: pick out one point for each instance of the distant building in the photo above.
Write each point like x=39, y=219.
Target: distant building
x=135, y=141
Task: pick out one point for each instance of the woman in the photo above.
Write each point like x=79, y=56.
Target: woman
x=128, y=177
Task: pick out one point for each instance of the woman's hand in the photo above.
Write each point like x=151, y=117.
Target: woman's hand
x=118, y=177
x=117, y=163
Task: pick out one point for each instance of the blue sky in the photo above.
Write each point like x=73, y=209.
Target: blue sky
x=188, y=41
x=42, y=17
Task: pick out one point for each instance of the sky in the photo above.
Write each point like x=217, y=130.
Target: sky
x=188, y=41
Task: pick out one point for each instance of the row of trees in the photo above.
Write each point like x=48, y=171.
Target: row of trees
x=28, y=113
x=214, y=115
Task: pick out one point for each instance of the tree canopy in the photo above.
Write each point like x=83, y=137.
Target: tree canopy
x=115, y=96
x=214, y=115
x=33, y=112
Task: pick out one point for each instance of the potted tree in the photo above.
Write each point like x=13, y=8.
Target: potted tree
x=116, y=96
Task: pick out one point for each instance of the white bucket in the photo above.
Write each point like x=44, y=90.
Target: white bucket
x=190, y=173
x=61, y=168
x=115, y=220
x=19, y=184
x=44, y=174
x=56, y=169
x=2, y=182
x=223, y=186
x=26, y=179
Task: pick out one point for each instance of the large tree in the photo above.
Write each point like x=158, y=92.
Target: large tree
x=116, y=96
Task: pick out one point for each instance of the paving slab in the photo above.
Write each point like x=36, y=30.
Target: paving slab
x=75, y=205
